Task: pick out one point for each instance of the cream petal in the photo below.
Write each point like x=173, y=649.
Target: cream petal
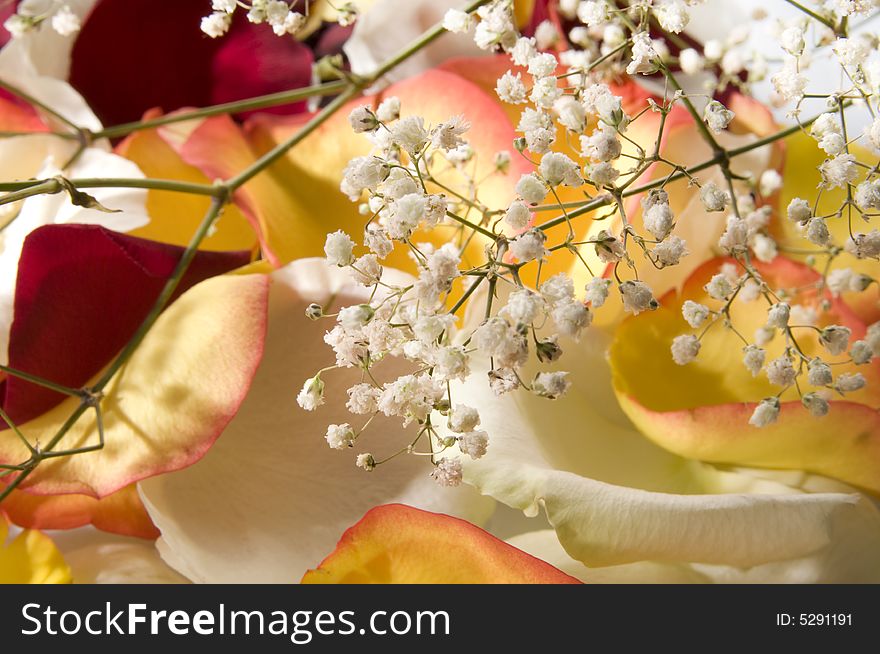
x=270, y=499
x=96, y=557
x=614, y=498
x=372, y=42
x=18, y=69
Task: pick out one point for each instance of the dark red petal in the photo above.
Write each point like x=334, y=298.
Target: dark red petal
x=135, y=55
x=81, y=292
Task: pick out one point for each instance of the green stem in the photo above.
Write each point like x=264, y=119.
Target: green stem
x=39, y=381
x=261, y=102
x=14, y=90
x=109, y=182
x=49, y=187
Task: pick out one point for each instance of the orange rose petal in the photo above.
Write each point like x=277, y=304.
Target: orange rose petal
x=701, y=410
x=119, y=513
x=397, y=544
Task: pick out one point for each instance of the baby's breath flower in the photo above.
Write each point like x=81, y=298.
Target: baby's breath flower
x=474, y=443
x=861, y=352
x=685, y=348
x=815, y=404
x=366, y=461
x=849, y=382
x=456, y=21
x=778, y=315
x=551, y=384
x=765, y=413
x=819, y=373
x=529, y=246
x=531, y=189
x=835, y=338
x=694, y=313
x=312, y=394
x=340, y=436
x=597, y=291
x=717, y=116
x=719, y=287
x=447, y=472
x=714, y=198
x=637, y=297
x=753, y=359
x=339, y=249
x=781, y=372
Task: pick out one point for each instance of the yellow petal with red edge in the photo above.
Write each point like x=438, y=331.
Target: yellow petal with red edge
x=30, y=558
x=297, y=201
x=121, y=512
x=701, y=410
x=165, y=408
x=305, y=494
x=174, y=217
x=397, y=544
x=801, y=179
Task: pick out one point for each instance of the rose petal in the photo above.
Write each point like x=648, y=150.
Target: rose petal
x=615, y=498
x=701, y=410
x=247, y=62
x=174, y=217
x=396, y=544
x=288, y=204
x=174, y=397
x=272, y=470
x=31, y=558
x=81, y=293
x=801, y=177
x=121, y=512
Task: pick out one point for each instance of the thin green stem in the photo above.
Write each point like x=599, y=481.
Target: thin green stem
x=40, y=381
x=261, y=102
x=14, y=90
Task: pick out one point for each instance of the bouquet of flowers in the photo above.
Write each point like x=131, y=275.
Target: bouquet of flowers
x=401, y=291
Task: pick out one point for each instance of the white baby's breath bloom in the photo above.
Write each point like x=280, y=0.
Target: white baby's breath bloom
x=670, y=251
x=864, y=246
x=523, y=307
x=849, y=382
x=644, y=57
x=529, y=246
x=340, y=436
x=717, y=116
x=602, y=145
x=694, y=313
x=365, y=461
x=835, y=338
x=311, y=396
x=753, y=359
x=214, y=25
x=788, y=82
x=570, y=113
x=765, y=413
x=781, y=372
x=389, y=109
x=691, y=61
x=447, y=136
x=770, y=182
x=339, y=249
x=366, y=270
x=531, y=189
x=597, y=291
x=792, y=40
x=545, y=92
x=839, y=171
x=362, y=119
x=685, y=348
x=819, y=373
x=672, y=15
x=558, y=289
x=457, y=21
x=713, y=197
x=719, y=287
x=510, y=88
x=764, y=248
x=447, y=472
x=518, y=216
x=474, y=443
x=602, y=174
x=65, y=22
x=778, y=315
x=571, y=318
x=551, y=384
x=816, y=404
x=817, y=232
x=463, y=418
x=362, y=398
x=557, y=168
x=410, y=134
x=799, y=210
x=861, y=352
x=637, y=297
x=867, y=195
x=592, y=12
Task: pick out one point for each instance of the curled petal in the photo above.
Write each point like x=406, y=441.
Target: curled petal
x=272, y=470
x=396, y=544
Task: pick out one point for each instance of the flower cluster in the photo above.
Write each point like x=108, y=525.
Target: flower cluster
x=30, y=15
x=579, y=135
